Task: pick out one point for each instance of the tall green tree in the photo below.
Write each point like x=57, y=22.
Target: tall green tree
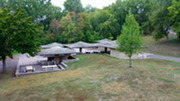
x=17, y=33
x=139, y=9
x=104, y=23
x=35, y=8
x=88, y=9
x=72, y=29
x=73, y=6
x=42, y=11
x=89, y=34
x=174, y=11
x=130, y=40
x=159, y=19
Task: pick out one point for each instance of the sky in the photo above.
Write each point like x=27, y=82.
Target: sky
x=95, y=3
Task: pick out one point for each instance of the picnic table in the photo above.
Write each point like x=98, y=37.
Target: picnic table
x=49, y=66
x=29, y=69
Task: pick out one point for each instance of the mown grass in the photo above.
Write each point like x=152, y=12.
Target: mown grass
x=10, y=74
x=167, y=47
x=99, y=77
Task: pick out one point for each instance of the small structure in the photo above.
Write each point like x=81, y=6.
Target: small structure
x=49, y=60
x=81, y=45
x=107, y=45
x=110, y=47
x=51, y=45
x=57, y=54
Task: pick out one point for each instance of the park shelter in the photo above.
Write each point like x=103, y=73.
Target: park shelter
x=51, y=45
x=56, y=53
x=81, y=45
x=106, y=44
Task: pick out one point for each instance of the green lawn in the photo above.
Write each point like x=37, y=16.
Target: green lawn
x=99, y=77
x=167, y=47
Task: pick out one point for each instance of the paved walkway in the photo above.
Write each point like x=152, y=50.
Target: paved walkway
x=164, y=58
x=11, y=63
x=24, y=60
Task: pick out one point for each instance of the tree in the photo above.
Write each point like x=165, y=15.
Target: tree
x=139, y=9
x=17, y=33
x=130, y=40
x=108, y=29
x=174, y=12
x=88, y=9
x=104, y=23
x=73, y=6
x=41, y=11
x=159, y=19
x=72, y=29
x=89, y=34
x=55, y=26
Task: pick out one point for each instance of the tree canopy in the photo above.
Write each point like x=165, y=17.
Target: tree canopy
x=88, y=23
x=174, y=10
x=17, y=33
x=73, y=6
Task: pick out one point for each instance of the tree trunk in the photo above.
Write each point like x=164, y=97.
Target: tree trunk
x=4, y=65
x=130, y=64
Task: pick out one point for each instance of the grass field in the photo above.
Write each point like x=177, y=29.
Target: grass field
x=167, y=47
x=99, y=78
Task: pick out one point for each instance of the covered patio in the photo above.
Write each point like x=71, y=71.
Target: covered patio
x=107, y=45
x=48, y=60
x=56, y=54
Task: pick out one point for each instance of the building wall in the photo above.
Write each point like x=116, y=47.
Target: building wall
x=117, y=54
x=103, y=48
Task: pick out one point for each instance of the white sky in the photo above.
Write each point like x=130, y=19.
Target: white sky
x=95, y=3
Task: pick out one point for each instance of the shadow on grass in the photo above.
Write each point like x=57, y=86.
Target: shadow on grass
x=10, y=74
x=176, y=41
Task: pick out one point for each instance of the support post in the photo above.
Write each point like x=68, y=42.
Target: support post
x=105, y=49
x=80, y=50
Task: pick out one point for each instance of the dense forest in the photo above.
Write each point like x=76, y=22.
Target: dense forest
x=75, y=22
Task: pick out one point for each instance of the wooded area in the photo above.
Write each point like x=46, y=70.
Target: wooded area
x=75, y=22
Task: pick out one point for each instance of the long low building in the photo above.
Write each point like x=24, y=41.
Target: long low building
x=100, y=46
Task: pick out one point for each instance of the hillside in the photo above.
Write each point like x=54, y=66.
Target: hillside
x=99, y=77
x=167, y=47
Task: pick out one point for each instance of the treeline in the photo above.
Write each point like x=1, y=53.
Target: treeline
x=75, y=23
